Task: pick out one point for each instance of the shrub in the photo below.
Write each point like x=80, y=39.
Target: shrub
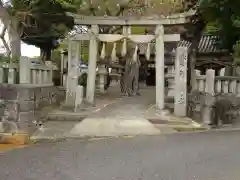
x=82, y=80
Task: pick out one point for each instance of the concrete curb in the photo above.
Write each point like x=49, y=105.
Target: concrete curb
x=181, y=128
x=189, y=129
x=167, y=122
x=81, y=139
x=210, y=130
x=24, y=139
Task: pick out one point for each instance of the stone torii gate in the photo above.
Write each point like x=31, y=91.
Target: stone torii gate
x=94, y=36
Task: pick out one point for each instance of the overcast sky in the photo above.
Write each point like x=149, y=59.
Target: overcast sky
x=26, y=50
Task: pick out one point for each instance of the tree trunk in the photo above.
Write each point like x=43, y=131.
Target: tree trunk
x=191, y=75
x=6, y=19
x=14, y=39
x=46, y=54
x=129, y=80
x=42, y=54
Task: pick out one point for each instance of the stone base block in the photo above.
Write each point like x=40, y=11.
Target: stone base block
x=16, y=139
x=20, y=105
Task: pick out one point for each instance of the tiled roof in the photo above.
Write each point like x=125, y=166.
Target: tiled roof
x=184, y=43
x=207, y=44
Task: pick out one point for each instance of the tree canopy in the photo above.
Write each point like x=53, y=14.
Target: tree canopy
x=223, y=18
x=42, y=23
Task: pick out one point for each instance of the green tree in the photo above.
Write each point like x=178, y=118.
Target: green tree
x=226, y=16
x=10, y=24
x=42, y=23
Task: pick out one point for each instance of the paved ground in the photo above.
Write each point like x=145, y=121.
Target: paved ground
x=124, y=117
x=129, y=106
x=199, y=156
x=114, y=116
x=8, y=147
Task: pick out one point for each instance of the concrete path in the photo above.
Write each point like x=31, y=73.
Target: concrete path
x=114, y=115
x=124, y=117
x=129, y=107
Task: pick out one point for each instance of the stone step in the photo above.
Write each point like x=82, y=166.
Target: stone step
x=168, y=122
x=63, y=115
x=184, y=128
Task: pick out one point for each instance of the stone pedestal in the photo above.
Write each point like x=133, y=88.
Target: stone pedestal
x=180, y=98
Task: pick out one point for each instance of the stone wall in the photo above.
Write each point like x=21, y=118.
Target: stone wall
x=199, y=103
x=196, y=102
x=21, y=105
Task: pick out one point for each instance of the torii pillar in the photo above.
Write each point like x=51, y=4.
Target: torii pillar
x=159, y=60
x=92, y=65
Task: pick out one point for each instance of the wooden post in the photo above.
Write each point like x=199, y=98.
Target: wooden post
x=180, y=98
x=159, y=60
x=62, y=67
x=194, y=82
x=193, y=75
x=92, y=65
x=209, y=98
x=1, y=74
